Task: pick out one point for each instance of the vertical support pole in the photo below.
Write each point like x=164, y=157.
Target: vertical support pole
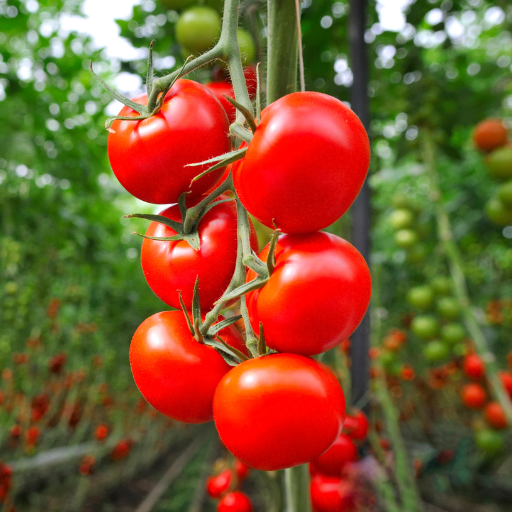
x=361, y=207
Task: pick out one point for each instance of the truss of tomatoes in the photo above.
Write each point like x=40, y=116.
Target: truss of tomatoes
x=302, y=170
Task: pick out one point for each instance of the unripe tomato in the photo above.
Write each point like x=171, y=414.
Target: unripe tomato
x=217, y=485
x=499, y=163
x=356, y=426
x=247, y=47
x=448, y=307
x=506, y=380
x=436, y=351
x=473, y=367
x=294, y=405
x=242, y=470
x=176, y=5
x=490, y=134
x=453, y=333
x=149, y=157
x=387, y=358
x=332, y=462
x=198, y=28
x=402, y=201
x=497, y=212
x=441, y=285
x=406, y=238
x=495, y=416
x=175, y=373
x=235, y=502
x=489, y=441
x=175, y=265
x=305, y=165
x=505, y=194
x=401, y=219
x=420, y=297
x=425, y=326
x=416, y=254
x=473, y=396
x=334, y=285
x=332, y=494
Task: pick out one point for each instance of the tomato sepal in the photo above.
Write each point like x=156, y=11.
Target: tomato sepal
x=228, y=158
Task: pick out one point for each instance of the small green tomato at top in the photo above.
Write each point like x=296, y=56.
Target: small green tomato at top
x=448, y=307
x=453, y=333
x=420, y=297
x=499, y=163
x=425, y=327
x=198, y=29
x=497, y=212
x=406, y=238
x=505, y=194
x=401, y=219
x=441, y=285
x=489, y=441
x=436, y=351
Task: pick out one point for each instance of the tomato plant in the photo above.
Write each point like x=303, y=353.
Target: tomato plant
x=332, y=494
x=198, y=29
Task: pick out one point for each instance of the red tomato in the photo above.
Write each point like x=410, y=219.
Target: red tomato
x=331, y=494
x=216, y=486
x=242, y=470
x=331, y=463
x=490, y=134
x=473, y=396
x=506, y=380
x=173, y=266
x=235, y=502
x=176, y=374
x=294, y=405
x=315, y=298
x=149, y=157
x=356, y=426
x=101, y=432
x=473, y=367
x=305, y=165
x=220, y=89
x=495, y=416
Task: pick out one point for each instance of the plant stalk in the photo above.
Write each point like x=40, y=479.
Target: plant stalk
x=297, y=489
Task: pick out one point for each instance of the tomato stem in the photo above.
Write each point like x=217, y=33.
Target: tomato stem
x=297, y=489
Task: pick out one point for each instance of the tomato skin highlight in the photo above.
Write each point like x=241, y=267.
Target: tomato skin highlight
x=294, y=404
x=149, y=157
x=216, y=486
x=495, y=415
x=176, y=374
x=332, y=462
x=305, y=165
x=315, y=298
x=174, y=265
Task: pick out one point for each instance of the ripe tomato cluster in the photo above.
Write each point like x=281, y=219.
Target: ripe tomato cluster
x=491, y=137
x=224, y=485
x=330, y=487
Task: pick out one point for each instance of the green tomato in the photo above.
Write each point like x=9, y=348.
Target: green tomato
x=425, y=326
x=459, y=349
x=497, y=212
x=448, y=307
x=435, y=351
x=420, y=297
x=198, y=28
x=453, y=333
x=11, y=287
x=401, y=218
x=499, y=163
x=387, y=358
x=505, y=194
x=441, y=285
x=406, y=238
x=489, y=441
x=416, y=254
x=177, y=5
x=247, y=47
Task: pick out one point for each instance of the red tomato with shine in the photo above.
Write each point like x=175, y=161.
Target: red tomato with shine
x=235, y=502
x=332, y=462
x=356, y=426
x=172, y=266
x=495, y=415
x=305, y=165
x=242, y=470
x=473, y=367
x=294, y=406
x=220, y=89
x=149, y=157
x=331, y=494
x=176, y=374
x=316, y=296
x=216, y=486
x=473, y=396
